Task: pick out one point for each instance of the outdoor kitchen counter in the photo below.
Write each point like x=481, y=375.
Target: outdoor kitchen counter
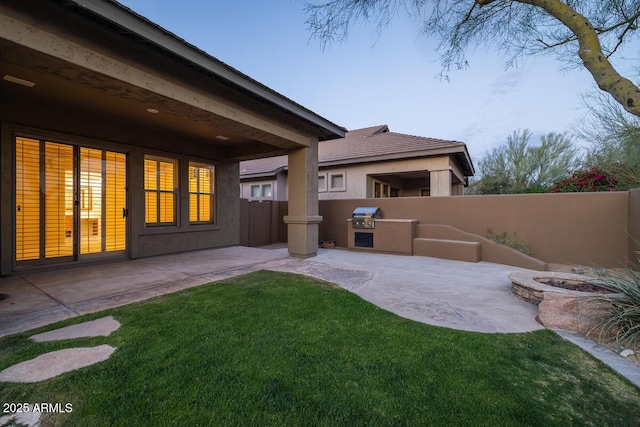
x=388, y=235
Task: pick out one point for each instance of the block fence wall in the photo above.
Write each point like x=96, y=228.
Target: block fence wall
x=592, y=229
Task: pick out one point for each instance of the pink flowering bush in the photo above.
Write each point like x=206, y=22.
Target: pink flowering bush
x=593, y=179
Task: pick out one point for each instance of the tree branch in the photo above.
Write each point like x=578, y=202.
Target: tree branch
x=630, y=27
x=560, y=43
x=608, y=79
x=630, y=22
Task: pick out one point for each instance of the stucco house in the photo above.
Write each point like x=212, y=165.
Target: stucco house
x=369, y=163
x=121, y=140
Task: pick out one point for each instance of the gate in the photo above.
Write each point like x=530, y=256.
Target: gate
x=260, y=214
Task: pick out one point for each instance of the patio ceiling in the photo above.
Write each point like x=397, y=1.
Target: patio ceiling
x=113, y=102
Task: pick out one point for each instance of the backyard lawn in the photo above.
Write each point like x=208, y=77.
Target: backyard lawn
x=281, y=349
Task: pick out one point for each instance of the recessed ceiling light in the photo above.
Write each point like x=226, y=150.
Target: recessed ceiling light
x=152, y=111
x=222, y=137
x=19, y=81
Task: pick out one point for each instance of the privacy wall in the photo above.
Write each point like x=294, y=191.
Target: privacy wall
x=581, y=228
x=592, y=229
x=634, y=226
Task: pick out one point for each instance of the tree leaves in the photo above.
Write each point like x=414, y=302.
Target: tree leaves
x=518, y=167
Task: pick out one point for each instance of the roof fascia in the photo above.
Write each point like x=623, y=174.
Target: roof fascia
x=465, y=153
x=394, y=156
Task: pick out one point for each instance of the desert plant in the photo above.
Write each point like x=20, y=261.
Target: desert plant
x=614, y=177
x=518, y=166
x=513, y=242
x=619, y=315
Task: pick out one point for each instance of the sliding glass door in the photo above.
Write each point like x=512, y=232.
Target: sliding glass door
x=103, y=201
x=71, y=202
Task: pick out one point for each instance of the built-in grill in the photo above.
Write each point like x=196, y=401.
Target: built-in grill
x=365, y=217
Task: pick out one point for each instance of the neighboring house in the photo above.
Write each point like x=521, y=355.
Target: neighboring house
x=121, y=140
x=368, y=163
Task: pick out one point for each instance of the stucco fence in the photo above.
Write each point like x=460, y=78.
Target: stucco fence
x=591, y=229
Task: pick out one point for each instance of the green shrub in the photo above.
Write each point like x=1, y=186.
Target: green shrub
x=619, y=317
x=535, y=189
x=610, y=177
x=514, y=242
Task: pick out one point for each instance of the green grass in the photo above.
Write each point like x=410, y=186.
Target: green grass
x=280, y=349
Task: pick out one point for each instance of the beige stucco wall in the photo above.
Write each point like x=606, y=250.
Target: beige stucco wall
x=582, y=228
x=359, y=184
x=302, y=218
x=634, y=226
x=440, y=183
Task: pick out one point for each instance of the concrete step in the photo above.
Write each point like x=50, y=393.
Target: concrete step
x=439, y=238
x=457, y=250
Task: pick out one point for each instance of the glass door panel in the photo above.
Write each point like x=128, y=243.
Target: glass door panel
x=115, y=201
x=103, y=201
x=91, y=182
x=44, y=201
x=69, y=201
x=27, y=199
x=58, y=200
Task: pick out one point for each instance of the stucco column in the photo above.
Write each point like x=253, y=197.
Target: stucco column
x=440, y=182
x=303, y=218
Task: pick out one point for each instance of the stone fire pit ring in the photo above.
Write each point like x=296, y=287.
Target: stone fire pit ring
x=558, y=308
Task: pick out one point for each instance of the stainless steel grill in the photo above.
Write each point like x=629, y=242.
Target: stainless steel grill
x=365, y=217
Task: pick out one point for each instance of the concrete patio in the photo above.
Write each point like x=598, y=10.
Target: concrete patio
x=466, y=296
x=473, y=297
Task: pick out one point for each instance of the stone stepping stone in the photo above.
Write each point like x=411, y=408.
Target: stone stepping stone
x=55, y=363
x=29, y=419
x=95, y=328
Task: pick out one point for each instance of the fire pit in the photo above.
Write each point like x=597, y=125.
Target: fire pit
x=581, y=285
x=562, y=298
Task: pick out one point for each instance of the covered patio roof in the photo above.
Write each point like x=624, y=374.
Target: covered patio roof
x=91, y=59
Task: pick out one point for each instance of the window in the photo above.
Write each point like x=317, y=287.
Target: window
x=337, y=182
x=160, y=190
x=262, y=191
x=266, y=191
x=322, y=183
x=201, y=192
x=382, y=189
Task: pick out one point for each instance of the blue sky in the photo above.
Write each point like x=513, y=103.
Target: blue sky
x=376, y=79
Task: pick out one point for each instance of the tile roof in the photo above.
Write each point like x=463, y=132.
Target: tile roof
x=365, y=145
x=263, y=167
